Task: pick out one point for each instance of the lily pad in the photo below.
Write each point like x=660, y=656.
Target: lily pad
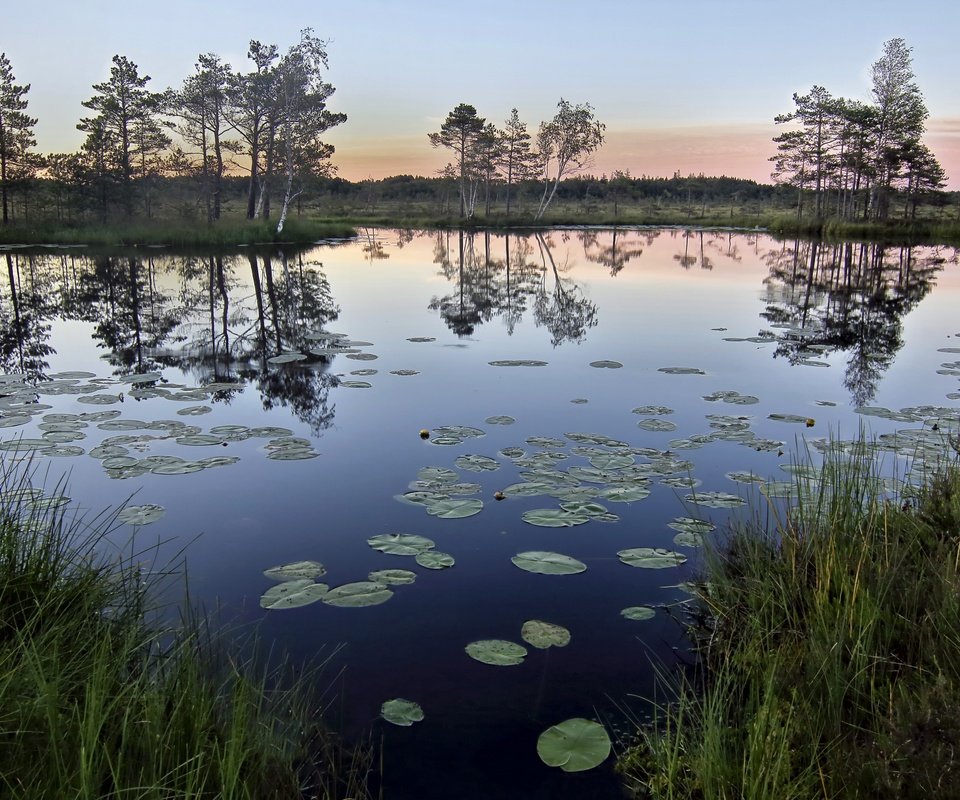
x=434, y=559
x=358, y=595
x=501, y=419
x=554, y=518
x=141, y=515
x=401, y=544
x=651, y=557
x=691, y=525
x=652, y=411
x=422, y=339
x=716, y=499
x=574, y=745
x=606, y=364
x=455, y=509
x=392, y=577
x=497, y=652
x=523, y=362
x=682, y=371
x=362, y=356
x=363, y=372
x=624, y=494
x=638, y=613
x=403, y=373
x=547, y=563
x=298, y=570
x=293, y=594
x=356, y=384
x=542, y=635
x=401, y=712
x=475, y=463
x=286, y=358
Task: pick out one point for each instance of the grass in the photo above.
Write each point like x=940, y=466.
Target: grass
x=828, y=654
x=98, y=702
x=225, y=233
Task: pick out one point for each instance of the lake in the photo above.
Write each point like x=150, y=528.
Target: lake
x=610, y=384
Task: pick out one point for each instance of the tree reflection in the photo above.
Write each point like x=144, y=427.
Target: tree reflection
x=613, y=249
x=561, y=307
x=24, y=323
x=850, y=297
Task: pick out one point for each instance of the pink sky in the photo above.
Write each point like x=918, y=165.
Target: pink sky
x=739, y=151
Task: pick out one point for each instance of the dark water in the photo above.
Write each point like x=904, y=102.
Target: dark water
x=822, y=332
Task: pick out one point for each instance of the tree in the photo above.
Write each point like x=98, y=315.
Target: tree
x=252, y=99
x=304, y=116
x=200, y=107
x=565, y=145
x=516, y=156
x=901, y=116
x=460, y=133
x=16, y=133
x=125, y=133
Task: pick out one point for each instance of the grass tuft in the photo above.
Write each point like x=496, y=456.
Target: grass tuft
x=97, y=702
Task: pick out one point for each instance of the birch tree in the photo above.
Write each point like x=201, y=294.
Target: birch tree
x=565, y=145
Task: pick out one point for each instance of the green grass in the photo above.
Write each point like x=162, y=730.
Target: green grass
x=828, y=654
x=96, y=701
x=226, y=233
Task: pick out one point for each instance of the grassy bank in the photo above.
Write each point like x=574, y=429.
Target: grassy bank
x=828, y=647
x=225, y=233
x=97, y=702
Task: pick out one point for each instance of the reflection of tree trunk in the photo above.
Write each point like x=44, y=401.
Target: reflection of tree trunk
x=258, y=293
x=272, y=296
x=211, y=266
x=134, y=265
x=17, y=323
x=225, y=300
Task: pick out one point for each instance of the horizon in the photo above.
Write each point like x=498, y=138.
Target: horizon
x=690, y=90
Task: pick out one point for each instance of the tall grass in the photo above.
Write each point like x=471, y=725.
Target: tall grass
x=828, y=651
x=97, y=701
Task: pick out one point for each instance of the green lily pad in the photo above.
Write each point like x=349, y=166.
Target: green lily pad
x=606, y=364
x=99, y=399
x=474, y=463
x=681, y=371
x=657, y=425
x=523, y=362
x=298, y=570
x=638, y=613
x=401, y=712
x=434, y=559
x=651, y=557
x=501, y=419
x=652, y=411
x=356, y=384
x=528, y=489
x=403, y=373
x=624, y=494
x=547, y=563
x=497, y=652
x=422, y=339
x=609, y=461
x=691, y=525
x=401, y=544
x=542, y=635
x=793, y=418
x=554, y=518
x=688, y=539
x=145, y=377
x=455, y=509
x=363, y=372
x=141, y=515
x=293, y=594
x=392, y=577
x=574, y=745
x=286, y=358
x=716, y=500
x=194, y=411
x=358, y=595
x=363, y=356
x=182, y=468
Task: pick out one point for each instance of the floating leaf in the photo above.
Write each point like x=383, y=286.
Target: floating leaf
x=716, y=499
x=624, y=494
x=286, y=358
x=497, y=652
x=651, y=557
x=298, y=570
x=404, y=372
x=547, y=563
x=141, y=515
x=99, y=399
x=455, y=509
x=363, y=372
x=194, y=411
x=579, y=401
x=293, y=594
x=554, y=518
x=606, y=364
x=517, y=363
x=401, y=544
x=392, y=577
x=434, y=559
x=638, y=613
x=401, y=712
x=681, y=371
x=691, y=525
x=475, y=463
x=542, y=635
x=528, y=489
x=793, y=418
x=422, y=339
x=653, y=411
x=574, y=745
x=356, y=384
x=358, y=595
x=501, y=419
x=362, y=356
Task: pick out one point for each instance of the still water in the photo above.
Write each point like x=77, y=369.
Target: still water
x=633, y=370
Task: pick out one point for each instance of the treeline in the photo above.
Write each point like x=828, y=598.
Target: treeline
x=853, y=160
x=265, y=122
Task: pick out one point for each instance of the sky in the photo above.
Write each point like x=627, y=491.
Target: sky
x=684, y=86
